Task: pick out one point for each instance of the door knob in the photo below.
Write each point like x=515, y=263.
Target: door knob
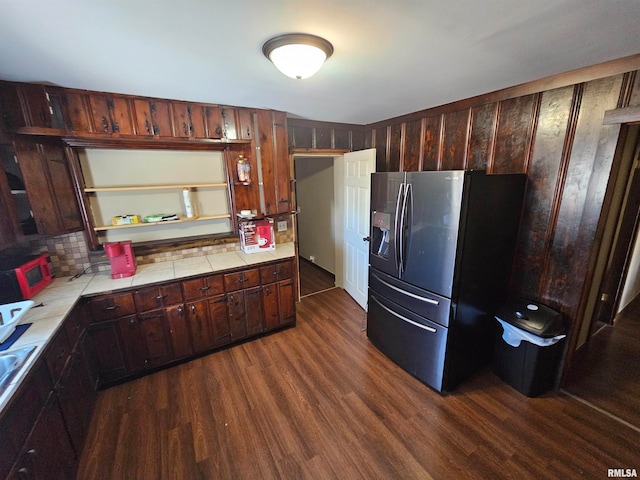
x=366, y=239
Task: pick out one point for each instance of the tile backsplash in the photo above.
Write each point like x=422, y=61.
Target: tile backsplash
x=70, y=255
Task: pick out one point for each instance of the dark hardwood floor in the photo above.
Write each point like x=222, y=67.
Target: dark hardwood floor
x=314, y=279
x=608, y=372
x=318, y=401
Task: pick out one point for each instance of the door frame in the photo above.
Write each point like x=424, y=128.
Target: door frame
x=338, y=185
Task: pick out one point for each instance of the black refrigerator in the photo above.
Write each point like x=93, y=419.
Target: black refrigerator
x=441, y=251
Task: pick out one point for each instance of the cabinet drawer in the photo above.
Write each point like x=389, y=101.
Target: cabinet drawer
x=240, y=280
x=157, y=297
x=276, y=272
x=202, y=287
x=113, y=306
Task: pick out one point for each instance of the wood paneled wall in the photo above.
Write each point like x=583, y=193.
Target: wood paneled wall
x=551, y=130
x=557, y=138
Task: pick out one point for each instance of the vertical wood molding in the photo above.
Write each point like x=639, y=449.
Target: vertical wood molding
x=535, y=114
x=626, y=91
x=492, y=146
x=572, y=123
x=403, y=135
x=423, y=128
x=440, y=141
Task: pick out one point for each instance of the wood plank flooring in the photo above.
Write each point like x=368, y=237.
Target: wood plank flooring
x=318, y=401
x=608, y=373
x=314, y=279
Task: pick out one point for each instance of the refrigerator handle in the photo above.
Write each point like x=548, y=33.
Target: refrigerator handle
x=402, y=238
x=396, y=225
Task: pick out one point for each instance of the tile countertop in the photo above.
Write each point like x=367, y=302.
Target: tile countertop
x=60, y=297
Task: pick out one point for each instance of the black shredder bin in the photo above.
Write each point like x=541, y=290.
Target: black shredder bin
x=529, y=351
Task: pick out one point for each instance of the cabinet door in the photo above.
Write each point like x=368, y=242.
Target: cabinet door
x=276, y=272
x=155, y=335
x=197, y=123
x=272, y=139
x=62, y=187
x=179, y=332
x=47, y=453
x=108, y=351
x=120, y=115
x=214, y=122
x=244, y=123
x=76, y=396
x=219, y=320
x=181, y=119
x=8, y=221
x=49, y=187
x=57, y=354
x=161, y=114
x=282, y=166
x=237, y=308
x=36, y=101
x=198, y=317
x=100, y=114
x=143, y=118
x=77, y=117
x=279, y=305
x=255, y=320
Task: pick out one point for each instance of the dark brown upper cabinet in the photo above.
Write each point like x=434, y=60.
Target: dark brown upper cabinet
x=44, y=170
x=272, y=139
x=153, y=117
x=215, y=122
x=29, y=105
x=110, y=114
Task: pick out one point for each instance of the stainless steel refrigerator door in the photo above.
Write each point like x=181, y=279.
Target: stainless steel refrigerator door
x=387, y=194
x=431, y=228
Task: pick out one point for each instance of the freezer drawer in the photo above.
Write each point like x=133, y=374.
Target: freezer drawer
x=414, y=343
x=419, y=301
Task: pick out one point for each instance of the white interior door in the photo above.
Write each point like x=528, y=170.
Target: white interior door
x=358, y=167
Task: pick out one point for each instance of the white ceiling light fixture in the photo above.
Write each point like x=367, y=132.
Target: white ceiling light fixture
x=297, y=55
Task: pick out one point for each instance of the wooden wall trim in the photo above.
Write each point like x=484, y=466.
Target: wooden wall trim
x=581, y=75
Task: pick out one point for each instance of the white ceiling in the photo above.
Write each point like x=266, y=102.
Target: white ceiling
x=391, y=57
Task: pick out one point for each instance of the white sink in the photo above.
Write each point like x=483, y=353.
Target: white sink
x=10, y=314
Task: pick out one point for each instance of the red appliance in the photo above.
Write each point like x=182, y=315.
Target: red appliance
x=122, y=259
x=22, y=276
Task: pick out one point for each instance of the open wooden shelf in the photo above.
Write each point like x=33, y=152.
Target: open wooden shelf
x=155, y=224
x=154, y=187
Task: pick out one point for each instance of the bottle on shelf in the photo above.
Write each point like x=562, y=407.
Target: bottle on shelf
x=188, y=207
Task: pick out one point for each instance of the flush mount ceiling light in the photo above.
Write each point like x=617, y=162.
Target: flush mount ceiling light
x=297, y=55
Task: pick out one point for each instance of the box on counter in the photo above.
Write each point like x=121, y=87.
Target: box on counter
x=257, y=235
x=125, y=219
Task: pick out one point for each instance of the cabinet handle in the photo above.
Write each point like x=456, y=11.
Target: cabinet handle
x=256, y=292
x=193, y=308
x=156, y=129
x=184, y=127
x=160, y=297
x=242, y=280
x=147, y=126
x=105, y=125
x=218, y=131
x=204, y=289
x=180, y=311
x=63, y=353
x=267, y=290
x=111, y=307
x=248, y=133
x=132, y=323
x=192, y=130
x=222, y=300
x=116, y=127
x=290, y=284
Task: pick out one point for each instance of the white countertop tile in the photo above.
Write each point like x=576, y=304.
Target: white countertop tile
x=224, y=261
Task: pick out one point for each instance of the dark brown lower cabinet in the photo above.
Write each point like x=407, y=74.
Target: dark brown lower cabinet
x=179, y=334
x=279, y=304
x=77, y=394
x=245, y=312
x=202, y=318
x=47, y=453
x=108, y=351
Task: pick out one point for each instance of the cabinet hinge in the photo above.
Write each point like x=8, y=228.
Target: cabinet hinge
x=604, y=297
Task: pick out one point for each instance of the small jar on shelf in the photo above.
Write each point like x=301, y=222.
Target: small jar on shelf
x=244, y=170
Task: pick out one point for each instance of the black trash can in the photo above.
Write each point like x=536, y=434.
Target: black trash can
x=528, y=353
